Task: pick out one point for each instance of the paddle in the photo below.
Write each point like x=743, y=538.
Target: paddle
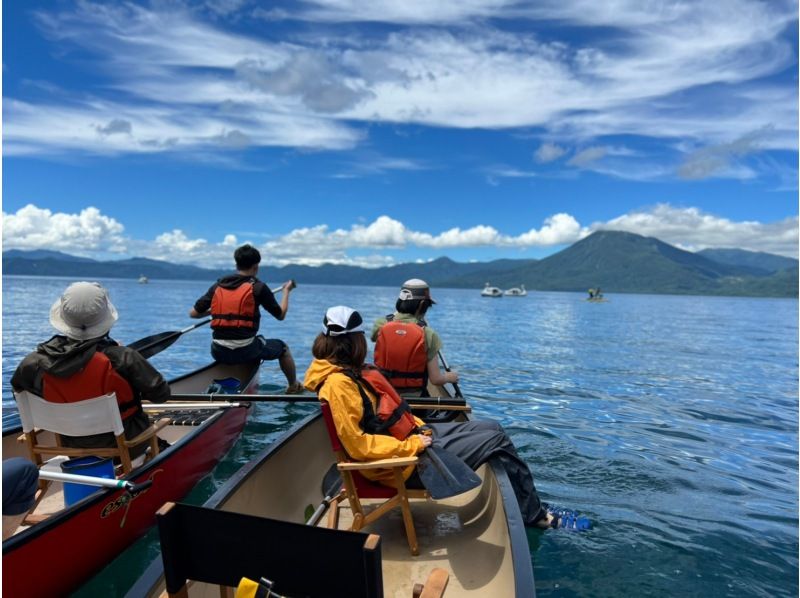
x=331, y=483
x=151, y=345
x=447, y=369
x=445, y=474
x=130, y=487
x=435, y=402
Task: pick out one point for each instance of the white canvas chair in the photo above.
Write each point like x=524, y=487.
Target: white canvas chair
x=83, y=418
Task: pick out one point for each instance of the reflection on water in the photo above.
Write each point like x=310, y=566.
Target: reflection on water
x=671, y=421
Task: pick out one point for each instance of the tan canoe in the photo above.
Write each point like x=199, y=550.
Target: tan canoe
x=477, y=537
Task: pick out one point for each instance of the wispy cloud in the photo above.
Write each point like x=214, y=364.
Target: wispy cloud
x=548, y=152
x=697, y=72
x=90, y=233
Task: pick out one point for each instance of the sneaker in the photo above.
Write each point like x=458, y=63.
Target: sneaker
x=568, y=519
x=295, y=388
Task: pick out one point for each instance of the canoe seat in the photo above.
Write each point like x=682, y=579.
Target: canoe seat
x=83, y=418
x=357, y=487
x=221, y=547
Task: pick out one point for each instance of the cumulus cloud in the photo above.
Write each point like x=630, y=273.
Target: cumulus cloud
x=693, y=229
x=548, y=152
x=88, y=231
x=91, y=233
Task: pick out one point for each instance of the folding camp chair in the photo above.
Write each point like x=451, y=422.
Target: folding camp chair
x=82, y=418
x=221, y=547
x=357, y=487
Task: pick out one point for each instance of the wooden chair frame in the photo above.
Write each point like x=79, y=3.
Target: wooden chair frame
x=350, y=469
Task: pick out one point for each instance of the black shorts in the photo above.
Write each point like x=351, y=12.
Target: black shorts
x=265, y=349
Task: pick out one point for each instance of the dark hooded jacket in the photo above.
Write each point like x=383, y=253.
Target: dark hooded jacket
x=62, y=357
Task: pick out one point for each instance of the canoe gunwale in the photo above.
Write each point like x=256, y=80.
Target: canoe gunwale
x=520, y=552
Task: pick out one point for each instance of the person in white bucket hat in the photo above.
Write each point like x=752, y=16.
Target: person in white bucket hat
x=83, y=362
x=406, y=348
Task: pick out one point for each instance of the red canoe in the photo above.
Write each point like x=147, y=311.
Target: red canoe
x=54, y=557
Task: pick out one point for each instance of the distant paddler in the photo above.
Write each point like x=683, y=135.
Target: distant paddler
x=233, y=303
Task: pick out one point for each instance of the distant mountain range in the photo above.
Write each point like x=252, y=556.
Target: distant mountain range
x=618, y=262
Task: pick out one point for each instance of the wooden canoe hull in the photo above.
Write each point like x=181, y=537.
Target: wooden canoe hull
x=75, y=543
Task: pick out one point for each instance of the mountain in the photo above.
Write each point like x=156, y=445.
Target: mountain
x=616, y=261
x=761, y=263
x=53, y=263
x=44, y=254
x=628, y=263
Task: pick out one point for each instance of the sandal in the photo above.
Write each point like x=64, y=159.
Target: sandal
x=568, y=519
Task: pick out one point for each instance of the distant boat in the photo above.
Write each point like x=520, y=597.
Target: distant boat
x=516, y=291
x=489, y=291
x=143, y=279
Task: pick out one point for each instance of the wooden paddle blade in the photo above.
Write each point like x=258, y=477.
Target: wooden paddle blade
x=445, y=474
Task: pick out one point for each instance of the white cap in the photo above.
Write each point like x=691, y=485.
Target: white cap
x=341, y=320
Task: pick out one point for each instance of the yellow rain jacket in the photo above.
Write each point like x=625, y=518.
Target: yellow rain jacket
x=347, y=410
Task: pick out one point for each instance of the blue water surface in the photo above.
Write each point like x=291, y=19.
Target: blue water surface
x=670, y=420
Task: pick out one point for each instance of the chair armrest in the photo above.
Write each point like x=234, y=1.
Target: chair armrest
x=149, y=432
x=378, y=464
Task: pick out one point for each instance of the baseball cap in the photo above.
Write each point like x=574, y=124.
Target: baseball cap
x=415, y=288
x=342, y=320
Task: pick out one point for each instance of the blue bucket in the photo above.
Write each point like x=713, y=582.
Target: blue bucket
x=228, y=386
x=91, y=466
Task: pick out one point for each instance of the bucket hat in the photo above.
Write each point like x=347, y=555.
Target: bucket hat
x=415, y=288
x=83, y=311
x=341, y=320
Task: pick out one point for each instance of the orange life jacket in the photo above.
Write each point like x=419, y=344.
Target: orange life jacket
x=234, y=308
x=96, y=379
x=394, y=416
x=401, y=353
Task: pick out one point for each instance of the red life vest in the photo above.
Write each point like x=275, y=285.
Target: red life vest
x=96, y=379
x=394, y=416
x=401, y=353
x=234, y=308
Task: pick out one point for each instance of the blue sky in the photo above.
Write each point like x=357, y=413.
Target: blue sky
x=380, y=132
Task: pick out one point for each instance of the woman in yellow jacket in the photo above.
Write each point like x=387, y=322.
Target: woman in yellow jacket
x=341, y=347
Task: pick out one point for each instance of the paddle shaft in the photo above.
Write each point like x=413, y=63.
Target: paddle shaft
x=154, y=344
x=86, y=480
x=277, y=398
x=447, y=369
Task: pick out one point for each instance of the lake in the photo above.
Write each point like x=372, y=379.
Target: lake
x=671, y=421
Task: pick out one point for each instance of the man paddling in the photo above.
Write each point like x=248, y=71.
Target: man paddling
x=233, y=303
x=84, y=362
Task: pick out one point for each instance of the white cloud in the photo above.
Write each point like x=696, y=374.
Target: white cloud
x=693, y=229
x=93, y=234
x=178, y=84
x=548, y=152
x=587, y=156
x=80, y=234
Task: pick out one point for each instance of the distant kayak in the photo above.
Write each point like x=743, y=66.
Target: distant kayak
x=597, y=300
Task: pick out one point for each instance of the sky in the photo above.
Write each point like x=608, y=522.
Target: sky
x=375, y=133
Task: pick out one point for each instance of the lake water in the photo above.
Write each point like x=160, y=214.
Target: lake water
x=671, y=421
